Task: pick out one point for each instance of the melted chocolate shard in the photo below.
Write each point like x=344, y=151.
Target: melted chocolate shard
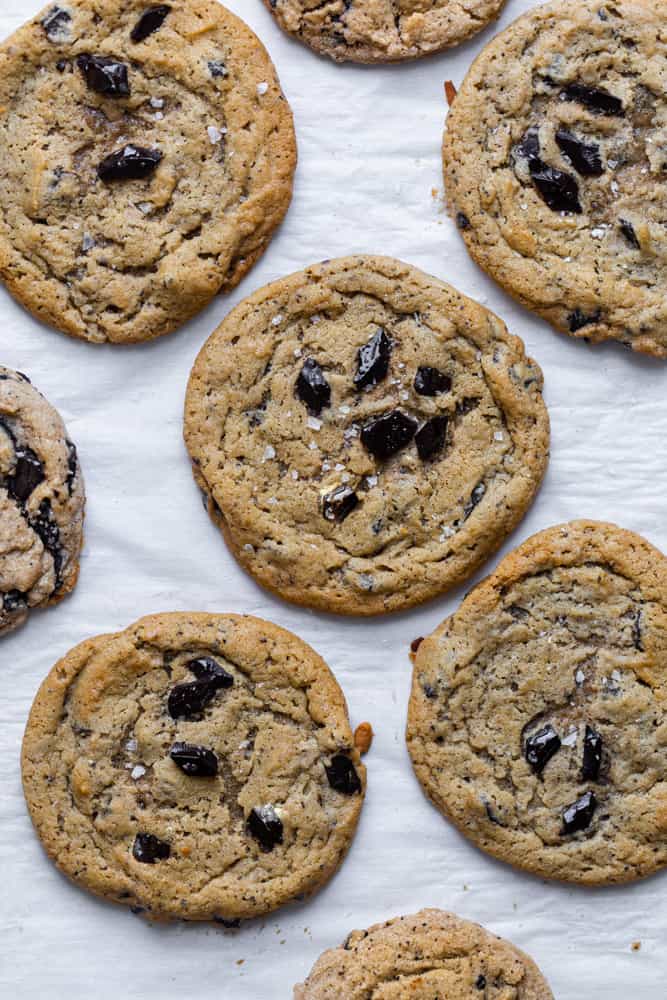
x=431, y=438
x=578, y=319
x=312, y=387
x=584, y=157
x=149, y=22
x=628, y=231
x=590, y=770
x=599, y=101
x=72, y=466
x=558, y=189
x=149, y=849
x=266, y=827
x=129, y=163
x=195, y=761
x=338, y=504
x=462, y=221
x=217, y=68
x=637, y=633
x=373, y=360
x=104, y=76
x=480, y=983
x=14, y=600
x=56, y=23
x=431, y=381
x=541, y=747
x=388, y=434
x=205, y=668
x=44, y=524
x=578, y=816
x=475, y=497
x=28, y=474
x=342, y=776
x=528, y=147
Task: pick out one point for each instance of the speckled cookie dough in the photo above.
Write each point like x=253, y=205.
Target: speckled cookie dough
x=537, y=718
x=372, y=31
x=194, y=766
x=146, y=157
x=365, y=435
x=555, y=159
x=41, y=503
x=430, y=955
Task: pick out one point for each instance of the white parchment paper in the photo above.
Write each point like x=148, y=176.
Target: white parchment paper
x=369, y=180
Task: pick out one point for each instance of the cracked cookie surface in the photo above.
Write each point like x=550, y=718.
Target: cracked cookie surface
x=537, y=718
x=369, y=31
x=427, y=955
x=556, y=167
x=41, y=503
x=145, y=161
x=194, y=766
x=365, y=435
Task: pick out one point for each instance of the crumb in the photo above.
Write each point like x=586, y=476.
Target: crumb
x=240, y=961
x=416, y=643
x=636, y=945
x=434, y=192
x=363, y=737
x=450, y=92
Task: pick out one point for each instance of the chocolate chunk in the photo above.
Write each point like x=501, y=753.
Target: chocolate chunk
x=388, y=434
x=373, y=360
x=56, y=24
x=13, y=600
x=217, y=68
x=104, y=75
x=590, y=770
x=541, y=747
x=480, y=983
x=416, y=643
x=195, y=761
x=28, y=474
x=528, y=147
x=475, y=498
x=431, y=437
x=189, y=700
x=312, y=387
x=628, y=231
x=342, y=775
x=265, y=826
x=637, y=633
x=594, y=99
x=339, y=503
x=205, y=668
x=149, y=22
x=584, y=157
x=148, y=849
x=579, y=319
x=558, y=189
x=578, y=816
x=129, y=163
x=462, y=221
x=431, y=381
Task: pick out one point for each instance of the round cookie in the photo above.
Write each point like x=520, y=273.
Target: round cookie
x=147, y=155
x=194, y=766
x=537, y=720
x=42, y=503
x=379, y=31
x=428, y=955
x=366, y=436
x=555, y=159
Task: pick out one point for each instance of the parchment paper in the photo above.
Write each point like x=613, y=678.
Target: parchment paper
x=369, y=180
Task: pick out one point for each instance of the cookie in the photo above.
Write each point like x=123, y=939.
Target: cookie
x=428, y=955
x=42, y=503
x=372, y=31
x=537, y=719
x=555, y=155
x=147, y=155
x=365, y=435
x=194, y=766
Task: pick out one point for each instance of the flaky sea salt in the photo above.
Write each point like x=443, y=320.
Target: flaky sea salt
x=277, y=320
x=314, y=423
x=269, y=452
x=570, y=739
x=138, y=771
x=215, y=134
x=262, y=88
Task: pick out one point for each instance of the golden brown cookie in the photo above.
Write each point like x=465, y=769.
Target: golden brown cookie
x=538, y=721
x=147, y=155
x=194, y=766
x=555, y=159
x=430, y=955
x=365, y=435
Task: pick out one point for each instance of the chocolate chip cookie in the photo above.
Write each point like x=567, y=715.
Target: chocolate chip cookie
x=365, y=435
x=428, y=955
x=147, y=155
x=537, y=719
x=41, y=503
x=371, y=31
x=194, y=766
x=555, y=160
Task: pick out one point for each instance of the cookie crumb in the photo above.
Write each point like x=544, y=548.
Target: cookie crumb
x=636, y=945
x=450, y=92
x=363, y=737
x=416, y=643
